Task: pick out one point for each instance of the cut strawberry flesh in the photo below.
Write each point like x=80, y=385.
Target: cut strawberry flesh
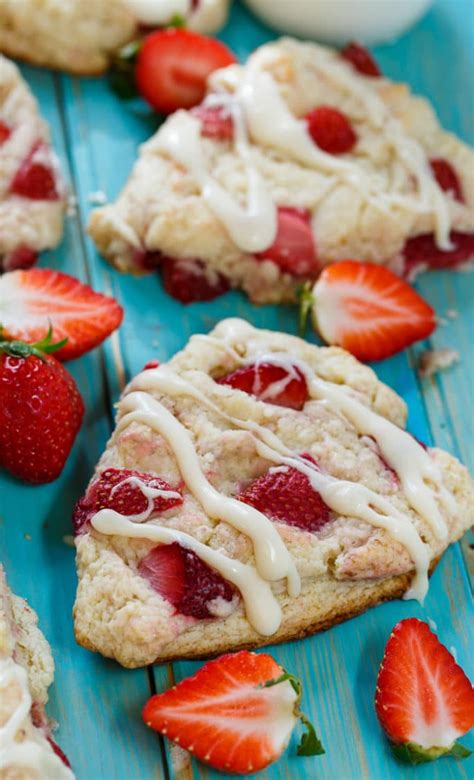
x=423, y=696
x=361, y=59
x=368, y=310
x=447, y=177
x=5, y=132
x=331, y=130
x=216, y=122
x=288, y=497
x=118, y=489
x=271, y=383
x=183, y=579
x=20, y=258
x=35, y=178
x=146, y=261
x=188, y=282
x=293, y=250
x=422, y=251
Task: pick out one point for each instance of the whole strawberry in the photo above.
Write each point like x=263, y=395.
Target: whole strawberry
x=41, y=410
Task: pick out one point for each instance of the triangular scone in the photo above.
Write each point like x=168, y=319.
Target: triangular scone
x=32, y=194
x=240, y=186
x=81, y=37
x=27, y=751
x=336, y=504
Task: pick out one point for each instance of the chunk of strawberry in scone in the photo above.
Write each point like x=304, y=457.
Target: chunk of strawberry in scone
x=125, y=491
x=293, y=250
x=216, y=122
x=361, y=59
x=423, y=700
x=287, y=496
x=447, y=177
x=19, y=259
x=271, y=383
x=35, y=178
x=331, y=130
x=187, y=582
x=189, y=281
x=5, y=132
x=421, y=252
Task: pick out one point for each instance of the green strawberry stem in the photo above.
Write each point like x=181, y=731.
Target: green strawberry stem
x=310, y=744
x=411, y=753
x=306, y=301
x=39, y=349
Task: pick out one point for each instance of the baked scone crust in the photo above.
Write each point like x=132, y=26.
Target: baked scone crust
x=162, y=211
x=22, y=641
x=345, y=567
x=36, y=224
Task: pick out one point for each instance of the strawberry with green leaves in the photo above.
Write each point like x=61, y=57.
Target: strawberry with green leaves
x=424, y=701
x=236, y=713
x=41, y=410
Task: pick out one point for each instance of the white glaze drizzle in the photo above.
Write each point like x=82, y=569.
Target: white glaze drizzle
x=149, y=492
x=261, y=607
x=32, y=752
x=343, y=497
x=252, y=228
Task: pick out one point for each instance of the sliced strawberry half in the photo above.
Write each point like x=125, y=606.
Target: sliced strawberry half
x=32, y=300
x=447, y=177
x=216, y=122
x=119, y=489
x=187, y=582
x=361, y=59
x=189, y=282
x=422, y=252
x=271, y=383
x=368, y=310
x=173, y=66
x=35, y=178
x=294, y=249
x=236, y=713
x=5, y=132
x=424, y=701
x=288, y=497
x=331, y=130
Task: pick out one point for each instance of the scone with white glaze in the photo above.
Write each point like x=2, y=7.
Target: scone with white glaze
x=254, y=189
x=27, y=751
x=256, y=489
x=82, y=37
x=32, y=193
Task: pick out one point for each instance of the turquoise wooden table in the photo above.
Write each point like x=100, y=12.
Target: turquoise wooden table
x=96, y=702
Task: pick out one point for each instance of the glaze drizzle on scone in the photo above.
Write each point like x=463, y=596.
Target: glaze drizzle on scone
x=383, y=520
x=216, y=184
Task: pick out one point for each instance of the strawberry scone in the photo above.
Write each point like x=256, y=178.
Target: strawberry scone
x=32, y=193
x=301, y=157
x=27, y=750
x=256, y=489
x=82, y=38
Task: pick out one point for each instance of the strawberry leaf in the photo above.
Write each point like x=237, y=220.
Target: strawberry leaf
x=177, y=20
x=306, y=301
x=310, y=744
x=294, y=682
x=122, y=71
x=411, y=753
x=459, y=752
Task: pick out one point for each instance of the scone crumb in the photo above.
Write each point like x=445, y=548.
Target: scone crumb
x=434, y=360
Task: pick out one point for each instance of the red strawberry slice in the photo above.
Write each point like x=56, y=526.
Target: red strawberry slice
x=424, y=701
x=32, y=300
x=447, y=177
x=35, y=178
x=20, y=258
x=361, y=59
x=216, y=122
x=293, y=250
x=331, y=130
x=368, y=310
x=173, y=66
x=236, y=713
x=421, y=252
x=270, y=383
x=5, y=132
x=189, y=281
x=117, y=489
x=59, y=752
x=288, y=497
x=187, y=582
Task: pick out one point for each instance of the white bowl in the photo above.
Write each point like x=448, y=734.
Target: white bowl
x=339, y=21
